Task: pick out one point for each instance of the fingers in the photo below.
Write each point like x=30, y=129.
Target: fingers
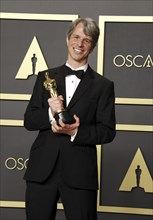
x=56, y=128
x=70, y=126
x=77, y=119
x=63, y=128
x=61, y=97
x=56, y=104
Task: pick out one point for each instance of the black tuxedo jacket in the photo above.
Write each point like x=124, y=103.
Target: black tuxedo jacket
x=93, y=103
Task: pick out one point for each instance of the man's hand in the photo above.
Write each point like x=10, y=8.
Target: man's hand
x=56, y=104
x=69, y=129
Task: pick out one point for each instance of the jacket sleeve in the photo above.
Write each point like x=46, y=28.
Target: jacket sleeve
x=36, y=116
x=103, y=130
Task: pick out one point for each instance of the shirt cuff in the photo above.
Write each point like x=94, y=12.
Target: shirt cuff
x=51, y=118
x=73, y=137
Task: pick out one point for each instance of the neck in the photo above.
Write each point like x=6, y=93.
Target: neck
x=75, y=64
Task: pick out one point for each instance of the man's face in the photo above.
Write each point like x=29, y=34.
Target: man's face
x=79, y=46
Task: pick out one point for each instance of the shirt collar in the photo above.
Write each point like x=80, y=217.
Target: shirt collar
x=84, y=67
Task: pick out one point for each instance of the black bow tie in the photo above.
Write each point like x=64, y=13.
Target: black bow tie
x=78, y=73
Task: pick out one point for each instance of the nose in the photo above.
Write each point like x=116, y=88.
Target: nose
x=80, y=42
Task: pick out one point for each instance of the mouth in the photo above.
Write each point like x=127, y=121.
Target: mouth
x=78, y=50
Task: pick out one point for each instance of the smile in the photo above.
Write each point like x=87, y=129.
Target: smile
x=78, y=50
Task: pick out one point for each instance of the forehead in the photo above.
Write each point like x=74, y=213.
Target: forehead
x=80, y=30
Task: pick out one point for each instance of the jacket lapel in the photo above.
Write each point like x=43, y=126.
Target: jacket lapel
x=85, y=83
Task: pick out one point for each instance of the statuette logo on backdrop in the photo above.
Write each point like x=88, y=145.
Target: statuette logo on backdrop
x=138, y=177
x=33, y=61
x=138, y=61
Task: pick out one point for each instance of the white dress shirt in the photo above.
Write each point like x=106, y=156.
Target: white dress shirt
x=72, y=82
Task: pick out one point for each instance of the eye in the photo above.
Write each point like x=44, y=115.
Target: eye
x=76, y=36
x=87, y=41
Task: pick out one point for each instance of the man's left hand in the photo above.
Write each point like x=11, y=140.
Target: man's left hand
x=69, y=129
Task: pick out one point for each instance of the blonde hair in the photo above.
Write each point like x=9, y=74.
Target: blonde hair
x=90, y=28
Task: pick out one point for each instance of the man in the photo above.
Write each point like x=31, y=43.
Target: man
x=63, y=160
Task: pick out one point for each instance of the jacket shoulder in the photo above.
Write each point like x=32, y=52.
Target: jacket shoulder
x=51, y=71
x=98, y=77
x=102, y=79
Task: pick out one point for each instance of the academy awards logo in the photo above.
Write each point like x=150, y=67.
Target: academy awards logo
x=138, y=177
x=20, y=163
x=138, y=61
x=33, y=61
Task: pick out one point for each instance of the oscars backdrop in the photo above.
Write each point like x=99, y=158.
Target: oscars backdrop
x=34, y=42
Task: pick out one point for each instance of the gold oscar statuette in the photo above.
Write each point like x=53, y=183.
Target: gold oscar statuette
x=51, y=86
